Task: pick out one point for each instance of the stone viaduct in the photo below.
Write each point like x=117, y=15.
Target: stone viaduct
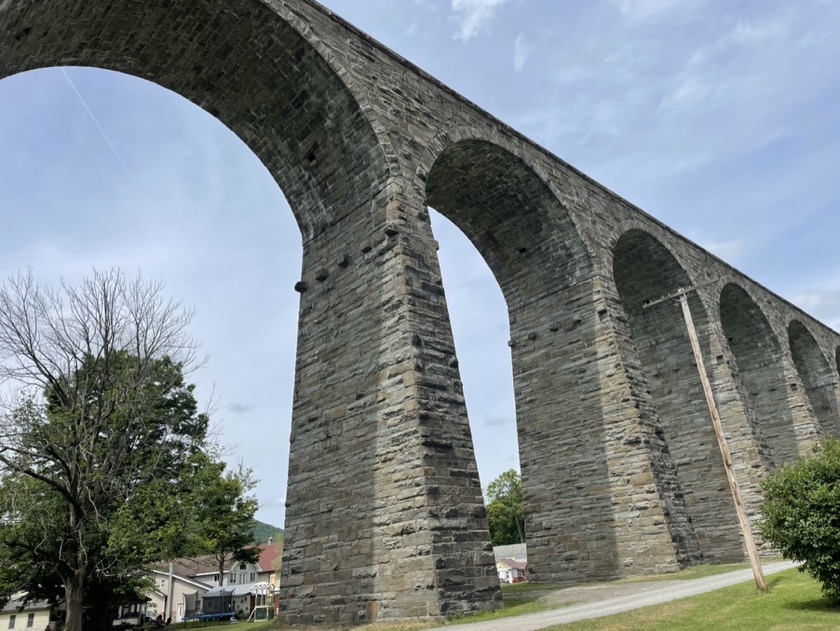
x=385, y=517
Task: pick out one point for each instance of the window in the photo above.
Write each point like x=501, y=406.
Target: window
x=12, y=621
x=253, y=576
x=242, y=578
x=30, y=620
x=163, y=582
x=232, y=577
x=215, y=578
x=241, y=566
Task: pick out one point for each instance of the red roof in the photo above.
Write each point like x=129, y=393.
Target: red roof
x=268, y=556
x=207, y=564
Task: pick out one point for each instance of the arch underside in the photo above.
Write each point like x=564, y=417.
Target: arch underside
x=532, y=247
x=646, y=271
x=238, y=60
x=758, y=356
x=817, y=377
x=510, y=215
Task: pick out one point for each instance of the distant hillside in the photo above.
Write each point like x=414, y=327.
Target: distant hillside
x=262, y=531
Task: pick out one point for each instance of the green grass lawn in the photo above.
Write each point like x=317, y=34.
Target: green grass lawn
x=523, y=598
x=794, y=603
x=697, y=571
x=244, y=626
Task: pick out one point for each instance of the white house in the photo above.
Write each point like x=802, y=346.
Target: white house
x=511, y=570
x=184, y=594
x=511, y=562
x=206, y=570
x=16, y=615
x=178, y=590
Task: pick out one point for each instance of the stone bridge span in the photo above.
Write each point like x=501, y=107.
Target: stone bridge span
x=385, y=517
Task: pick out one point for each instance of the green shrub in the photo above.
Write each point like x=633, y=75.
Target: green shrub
x=802, y=515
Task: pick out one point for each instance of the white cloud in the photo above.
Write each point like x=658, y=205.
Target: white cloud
x=474, y=16
x=691, y=91
x=241, y=408
x=643, y=9
x=823, y=303
x=747, y=33
x=496, y=421
x=521, y=52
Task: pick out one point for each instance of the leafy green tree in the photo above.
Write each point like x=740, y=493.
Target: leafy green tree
x=505, y=510
x=102, y=444
x=225, y=516
x=263, y=532
x=801, y=515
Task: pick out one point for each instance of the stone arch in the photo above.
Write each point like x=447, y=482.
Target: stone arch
x=837, y=359
x=506, y=210
x=544, y=269
x=241, y=62
x=645, y=270
x=758, y=356
x=817, y=377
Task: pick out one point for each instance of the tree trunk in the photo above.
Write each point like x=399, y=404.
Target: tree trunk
x=221, y=570
x=74, y=596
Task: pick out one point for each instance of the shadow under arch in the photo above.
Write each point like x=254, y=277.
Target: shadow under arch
x=237, y=59
x=545, y=272
x=645, y=270
x=758, y=355
x=817, y=377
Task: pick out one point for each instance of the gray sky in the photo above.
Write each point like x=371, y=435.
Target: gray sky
x=720, y=118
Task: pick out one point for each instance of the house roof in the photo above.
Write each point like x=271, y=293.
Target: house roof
x=516, y=551
x=512, y=564
x=192, y=566
x=17, y=605
x=268, y=556
x=183, y=579
x=203, y=565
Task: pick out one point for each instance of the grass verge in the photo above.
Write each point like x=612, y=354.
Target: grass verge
x=697, y=571
x=794, y=603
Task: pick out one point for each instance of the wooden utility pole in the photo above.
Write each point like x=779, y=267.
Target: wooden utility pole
x=744, y=521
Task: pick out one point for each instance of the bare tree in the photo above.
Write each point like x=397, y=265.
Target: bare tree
x=96, y=421
x=47, y=334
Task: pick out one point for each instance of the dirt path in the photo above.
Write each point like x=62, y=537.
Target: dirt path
x=586, y=602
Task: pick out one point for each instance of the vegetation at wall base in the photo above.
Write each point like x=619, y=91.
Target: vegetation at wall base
x=695, y=571
x=794, y=603
x=801, y=515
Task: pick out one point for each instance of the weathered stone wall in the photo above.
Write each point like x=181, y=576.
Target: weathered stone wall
x=385, y=517
x=621, y=471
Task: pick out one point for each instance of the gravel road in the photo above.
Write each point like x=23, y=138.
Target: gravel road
x=608, y=599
